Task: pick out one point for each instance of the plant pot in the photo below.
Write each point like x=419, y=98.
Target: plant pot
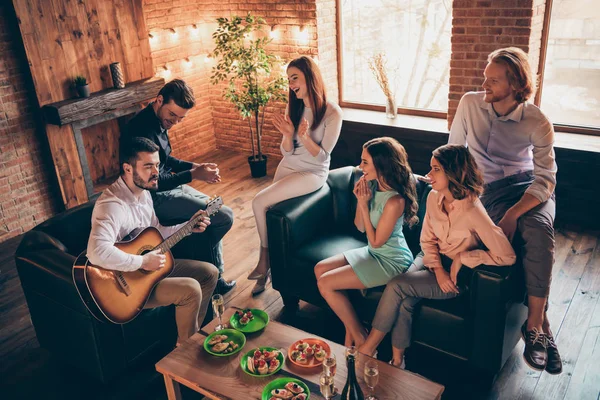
x=83, y=91
x=258, y=168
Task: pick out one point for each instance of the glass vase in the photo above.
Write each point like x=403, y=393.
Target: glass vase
x=391, y=110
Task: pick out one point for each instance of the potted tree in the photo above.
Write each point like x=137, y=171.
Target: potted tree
x=255, y=77
x=81, y=85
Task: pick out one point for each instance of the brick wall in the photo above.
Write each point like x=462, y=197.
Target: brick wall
x=28, y=193
x=214, y=122
x=478, y=28
x=182, y=52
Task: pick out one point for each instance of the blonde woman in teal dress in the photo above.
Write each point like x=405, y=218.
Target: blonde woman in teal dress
x=386, y=200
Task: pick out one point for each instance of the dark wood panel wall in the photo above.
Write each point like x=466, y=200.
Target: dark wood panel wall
x=64, y=38
x=576, y=195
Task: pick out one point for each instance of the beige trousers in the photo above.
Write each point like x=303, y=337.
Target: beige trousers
x=189, y=288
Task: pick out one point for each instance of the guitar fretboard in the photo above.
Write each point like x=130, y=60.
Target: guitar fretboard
x=212, y=207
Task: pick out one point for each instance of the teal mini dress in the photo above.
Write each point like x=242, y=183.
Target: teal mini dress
x=377, y=266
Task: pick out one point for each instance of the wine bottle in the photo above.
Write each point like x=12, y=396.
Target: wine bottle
x=352, y=390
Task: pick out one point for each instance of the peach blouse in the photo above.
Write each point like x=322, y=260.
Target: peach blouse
x=465, y=231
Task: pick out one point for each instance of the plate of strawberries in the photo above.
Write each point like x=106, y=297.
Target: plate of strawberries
x=249, y=320
x=262, y=361
x=308, y=352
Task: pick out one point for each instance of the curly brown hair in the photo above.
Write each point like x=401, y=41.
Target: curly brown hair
x=518, y=71
x=391, y=163
x=464, y=178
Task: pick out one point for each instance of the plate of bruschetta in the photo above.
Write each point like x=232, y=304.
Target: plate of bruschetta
x=308, y=352
x=262, y=361
x=249, y=320
x=286, y=388
x=224, y=343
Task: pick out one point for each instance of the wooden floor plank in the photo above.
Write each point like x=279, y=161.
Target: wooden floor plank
x=576, y=325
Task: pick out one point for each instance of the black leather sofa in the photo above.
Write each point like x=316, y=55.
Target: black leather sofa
x=481, y=327
x=62, y=323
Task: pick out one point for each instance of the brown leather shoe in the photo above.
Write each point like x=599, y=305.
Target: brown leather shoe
x=554, y=364
x=536, y=353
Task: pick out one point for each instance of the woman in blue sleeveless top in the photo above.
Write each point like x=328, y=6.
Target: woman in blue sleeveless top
x=386, y=199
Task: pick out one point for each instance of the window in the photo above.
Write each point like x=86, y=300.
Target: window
x=571, y=87
x=415, y=38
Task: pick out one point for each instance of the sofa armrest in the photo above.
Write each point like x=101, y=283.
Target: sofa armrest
x=49, y=273
x=35, y=240
x=292, y=223
x=490, y=290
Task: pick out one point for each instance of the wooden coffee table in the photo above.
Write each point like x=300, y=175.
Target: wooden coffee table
x=223, y=378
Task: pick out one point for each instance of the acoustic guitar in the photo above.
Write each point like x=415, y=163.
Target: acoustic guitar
x=118, y=297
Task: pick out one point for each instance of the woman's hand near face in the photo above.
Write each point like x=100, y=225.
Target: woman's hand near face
x=284, y=125
x=363, y=193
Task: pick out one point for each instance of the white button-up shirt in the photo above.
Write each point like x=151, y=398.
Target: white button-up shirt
x=117, y=213
x=507, y=145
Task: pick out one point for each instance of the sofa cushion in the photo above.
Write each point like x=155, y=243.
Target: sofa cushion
x=327, y=246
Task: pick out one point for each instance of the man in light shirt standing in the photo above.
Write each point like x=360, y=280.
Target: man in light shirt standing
x=513, y=144
x=126, y=206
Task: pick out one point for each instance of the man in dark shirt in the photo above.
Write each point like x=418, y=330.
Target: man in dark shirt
x=175, y=201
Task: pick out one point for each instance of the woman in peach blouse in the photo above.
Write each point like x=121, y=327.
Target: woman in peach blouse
x=455, y=230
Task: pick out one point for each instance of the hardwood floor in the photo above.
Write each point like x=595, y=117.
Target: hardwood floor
x=574, y=312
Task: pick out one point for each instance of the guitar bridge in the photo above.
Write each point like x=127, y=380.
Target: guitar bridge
x=122, y=283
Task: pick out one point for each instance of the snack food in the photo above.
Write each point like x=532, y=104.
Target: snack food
x=244, y=316
x=320, y=355
x=263, y=361
x=294, y=387
x=300, y=396
x=273, y=365
x=262, y=368
x=301, y=345
x=282, y=393
x=217, y=339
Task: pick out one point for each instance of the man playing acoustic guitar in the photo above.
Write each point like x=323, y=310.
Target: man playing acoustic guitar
x=126, y=206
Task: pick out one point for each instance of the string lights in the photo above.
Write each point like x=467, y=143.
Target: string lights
x=301, y=34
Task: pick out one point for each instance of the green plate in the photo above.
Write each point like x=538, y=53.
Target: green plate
x=280, y=384
x=244, y=361
x=261, y=319
x=237, y=337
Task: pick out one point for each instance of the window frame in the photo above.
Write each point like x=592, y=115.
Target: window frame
x=366, y=106
x=570, y=128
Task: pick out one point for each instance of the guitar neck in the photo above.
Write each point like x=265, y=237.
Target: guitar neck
x=175, y=238
x=212, y=207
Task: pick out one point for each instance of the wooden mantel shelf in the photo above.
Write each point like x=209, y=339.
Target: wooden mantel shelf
x=103, y=102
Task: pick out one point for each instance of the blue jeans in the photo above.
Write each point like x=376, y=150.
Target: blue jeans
x=179, y=205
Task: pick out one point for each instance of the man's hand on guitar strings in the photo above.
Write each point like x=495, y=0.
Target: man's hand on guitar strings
x=153, y=260
x=202, y=222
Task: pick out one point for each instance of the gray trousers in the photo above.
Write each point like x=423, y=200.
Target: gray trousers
x=534, y=239
x=178, y=205
x=401, y=295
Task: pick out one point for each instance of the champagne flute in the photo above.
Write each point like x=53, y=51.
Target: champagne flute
x=329, y=364
x=371, y=377
x=218, y=307
x=326, y=385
